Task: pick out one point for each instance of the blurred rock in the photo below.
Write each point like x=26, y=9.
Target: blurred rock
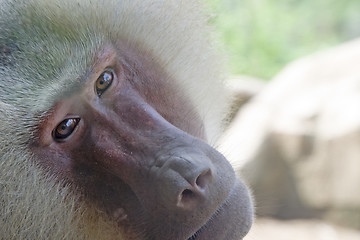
x=271, y=229
x=297, y=143
x=241, y=89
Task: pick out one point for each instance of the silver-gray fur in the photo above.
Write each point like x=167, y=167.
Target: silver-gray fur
x=36, y=43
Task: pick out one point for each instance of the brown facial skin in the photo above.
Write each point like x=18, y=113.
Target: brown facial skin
x=136, y=151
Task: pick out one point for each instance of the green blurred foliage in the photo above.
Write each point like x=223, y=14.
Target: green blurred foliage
x=262, y=36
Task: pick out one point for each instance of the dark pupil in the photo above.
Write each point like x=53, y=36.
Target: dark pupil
x=103, y=82
x=65, y=128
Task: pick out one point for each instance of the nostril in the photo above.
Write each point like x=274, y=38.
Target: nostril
x=187, y=199
x=203, y=179
x=195, y=194
x=187, y=193
x=186, y=196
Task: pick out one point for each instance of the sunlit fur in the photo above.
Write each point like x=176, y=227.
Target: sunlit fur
x=36, y=42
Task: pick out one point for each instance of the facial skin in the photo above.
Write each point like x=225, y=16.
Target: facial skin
x=126, y=148
x=113, y=127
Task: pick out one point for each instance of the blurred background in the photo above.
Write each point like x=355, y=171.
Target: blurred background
x=293, y=129
x=262, y=36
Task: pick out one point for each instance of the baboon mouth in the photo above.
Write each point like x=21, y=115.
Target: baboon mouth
x=197, y=234
x=229, y=211
x=220, y=209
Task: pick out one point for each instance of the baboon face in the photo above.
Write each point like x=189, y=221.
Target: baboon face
x=133, y=145
x=118, y=129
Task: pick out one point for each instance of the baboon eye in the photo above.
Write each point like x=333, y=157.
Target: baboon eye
x=65, y=128
x=103, y=82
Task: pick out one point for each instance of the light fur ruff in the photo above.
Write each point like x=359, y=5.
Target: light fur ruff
x=33, y=206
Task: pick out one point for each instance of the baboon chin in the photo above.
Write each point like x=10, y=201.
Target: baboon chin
x=107, y=112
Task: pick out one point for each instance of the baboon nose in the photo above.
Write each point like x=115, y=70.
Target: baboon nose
x=196, y=192
x=184, y=181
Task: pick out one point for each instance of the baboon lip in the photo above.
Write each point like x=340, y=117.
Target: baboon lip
x=213, y=217
x=232, y=212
